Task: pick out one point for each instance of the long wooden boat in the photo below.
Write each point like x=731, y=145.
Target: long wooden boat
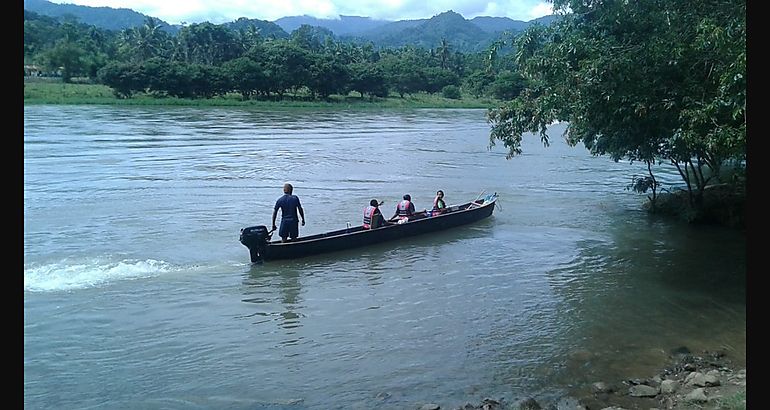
x=261, y=248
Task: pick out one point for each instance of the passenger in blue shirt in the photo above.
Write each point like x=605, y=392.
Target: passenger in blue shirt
x=289, y=205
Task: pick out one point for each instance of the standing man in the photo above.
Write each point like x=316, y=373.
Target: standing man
x=289, y=205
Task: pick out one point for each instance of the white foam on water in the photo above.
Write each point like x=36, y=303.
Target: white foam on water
x=69, y=274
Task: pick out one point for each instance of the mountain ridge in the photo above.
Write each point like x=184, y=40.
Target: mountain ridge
x=463, y=34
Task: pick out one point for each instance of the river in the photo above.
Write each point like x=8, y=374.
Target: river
x=138, y=295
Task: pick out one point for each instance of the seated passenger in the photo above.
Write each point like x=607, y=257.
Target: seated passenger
x=372, y=216
x=439, y=206
x=404, y=209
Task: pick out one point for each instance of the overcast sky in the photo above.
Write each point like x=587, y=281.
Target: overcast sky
x=221, y=11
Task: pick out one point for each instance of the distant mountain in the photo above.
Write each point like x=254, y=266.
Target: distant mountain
x=545, y=20
x=345, y=25
x=391, y=29
x=461, y=34
x=422, y=32
x=267, y=29
x=498, y=24
x=104, y=17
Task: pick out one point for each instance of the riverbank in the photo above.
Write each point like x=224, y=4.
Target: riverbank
x=723, y=204
x=708, y=381
x=56, y=92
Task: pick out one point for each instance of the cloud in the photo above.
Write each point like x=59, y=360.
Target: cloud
x=221, y=11
x=540, y=10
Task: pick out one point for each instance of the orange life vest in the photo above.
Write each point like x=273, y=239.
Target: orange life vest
x=403, y=208
x=368, y=215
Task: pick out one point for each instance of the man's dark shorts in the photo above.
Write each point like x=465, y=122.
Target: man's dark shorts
x=289, y=228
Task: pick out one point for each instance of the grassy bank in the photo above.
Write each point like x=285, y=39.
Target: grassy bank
x=49, y=92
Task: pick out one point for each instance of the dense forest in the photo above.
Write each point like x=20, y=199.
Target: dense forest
x=204, y=60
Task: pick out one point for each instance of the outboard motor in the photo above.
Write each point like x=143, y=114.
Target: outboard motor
x=256, y=239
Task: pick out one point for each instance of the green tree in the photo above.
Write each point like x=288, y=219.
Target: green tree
x=208, y=44
x=478, y=83
x=40, y=33
x=507, y=85
x=245, y=76
x=69, y=58
x=403, y=71
x=327, y=76
x=286, y=65
x=648, y=80
x=367, y=78
x=444, y=53
x=310, y=38
x=435, y=79
x=451, y=92
x=142, y=43
x=249, y=36
x=125, y=79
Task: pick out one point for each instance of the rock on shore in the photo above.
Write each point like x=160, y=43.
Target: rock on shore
x=706, y=381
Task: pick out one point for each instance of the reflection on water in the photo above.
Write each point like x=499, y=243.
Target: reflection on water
x=633, y=300
x=260, y=287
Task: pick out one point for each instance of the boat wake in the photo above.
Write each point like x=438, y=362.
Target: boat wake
x=86, y=273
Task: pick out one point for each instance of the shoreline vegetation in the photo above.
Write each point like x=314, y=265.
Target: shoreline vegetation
x=54, y=91
x=723, y=204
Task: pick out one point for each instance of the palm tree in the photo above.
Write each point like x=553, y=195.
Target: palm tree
x=444, y=53
x=492, y=54
x=143, y=42
x=148, y=39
